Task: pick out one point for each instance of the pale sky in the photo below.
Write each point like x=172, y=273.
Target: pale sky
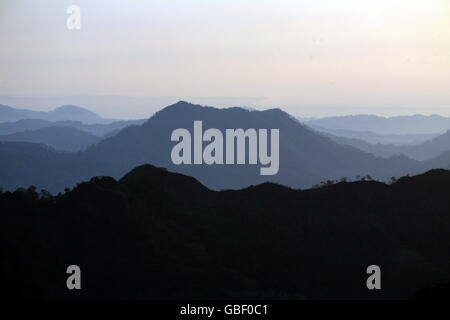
x=311, y=57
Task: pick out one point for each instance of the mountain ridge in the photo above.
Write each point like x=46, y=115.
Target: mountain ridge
x=100, y=130
x=414, y=124
x=265, y=241
x=420, y=151
x=65, y=112
x=68, y=139
x=306, y=157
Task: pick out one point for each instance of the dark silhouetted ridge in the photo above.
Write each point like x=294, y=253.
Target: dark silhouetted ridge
x=148, y=178
x=163, y=235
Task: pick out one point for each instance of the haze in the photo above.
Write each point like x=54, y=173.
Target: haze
x=311, y=58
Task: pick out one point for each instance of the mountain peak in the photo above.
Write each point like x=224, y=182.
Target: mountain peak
x=182, y=109
x=183, y=104
x=72, y=112
x=73, y=108
x=148, y=177
x=62, y=113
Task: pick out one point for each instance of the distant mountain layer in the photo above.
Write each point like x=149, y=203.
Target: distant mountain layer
x=441, y=161
x=100, y=130
x=416, y=124
x=423, y=151
x=159, y=235
x=67, y=112
x=67, y=139
x=24, y=163
x=379, y=138
x=306, y=157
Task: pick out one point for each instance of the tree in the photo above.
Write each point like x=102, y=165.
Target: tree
x=31, y=192
x=45, y=195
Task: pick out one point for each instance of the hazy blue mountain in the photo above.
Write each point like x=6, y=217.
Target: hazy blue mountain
x=379, y=138
x=377, y=149
x=109, y=129
x=423, y=151
x=441, y=161
x=66, y=112
x=74, y=113
x=67, y=139
x=95, y=129
x=306, y=157
x=8, y=113
x=24, y=163
x=415, y=124
x=27, y=124
x=431, y=148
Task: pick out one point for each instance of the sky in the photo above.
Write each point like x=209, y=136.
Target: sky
x=312, y=58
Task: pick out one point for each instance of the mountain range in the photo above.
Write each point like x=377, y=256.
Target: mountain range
x=67, y=135
x=379, y=138
x=97, y=129
x=154, y=234
x=67, y=139
x=169, y=231
x=415, y=124
x=66, y=112
x=306, y=157
x=421, y=151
